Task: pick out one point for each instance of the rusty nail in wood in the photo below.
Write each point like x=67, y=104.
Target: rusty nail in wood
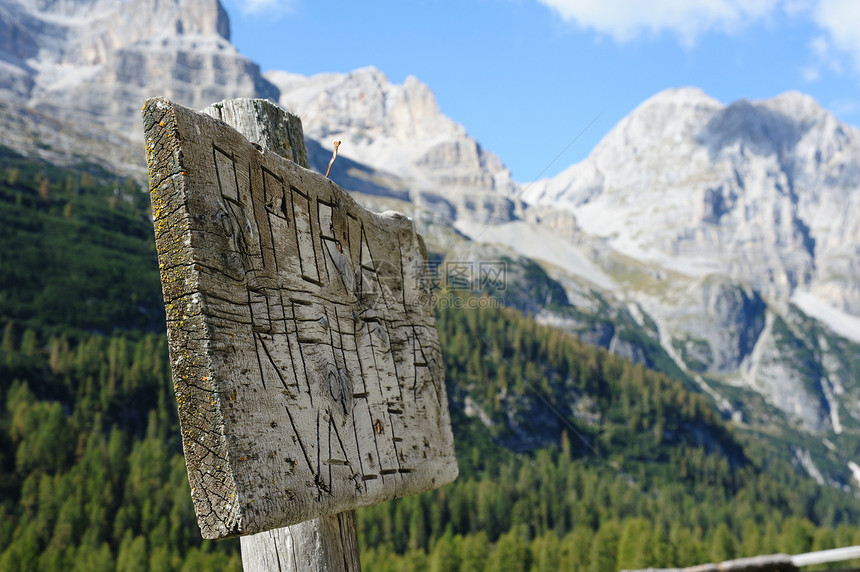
x=333, y=157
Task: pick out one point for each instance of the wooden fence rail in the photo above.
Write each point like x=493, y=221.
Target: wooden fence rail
x=772, y=563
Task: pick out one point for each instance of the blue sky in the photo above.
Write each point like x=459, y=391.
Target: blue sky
x=525, y=77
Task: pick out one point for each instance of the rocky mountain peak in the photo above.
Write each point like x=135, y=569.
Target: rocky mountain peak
x=759, y=197
x=399, y=128
x=85, y=32
x=687, y=97
x=365, y=101
x=771, y=126
x=69, y=8
x=795, y=104
x=703, y=187
x=97, y=60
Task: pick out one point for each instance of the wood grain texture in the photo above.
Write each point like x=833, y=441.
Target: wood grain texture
x=306, y=363
x=324, y=544
x=264, y=124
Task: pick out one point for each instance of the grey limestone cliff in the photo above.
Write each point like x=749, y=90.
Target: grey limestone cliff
x=96, y=61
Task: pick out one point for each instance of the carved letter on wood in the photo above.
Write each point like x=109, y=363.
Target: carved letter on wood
x=305, y=358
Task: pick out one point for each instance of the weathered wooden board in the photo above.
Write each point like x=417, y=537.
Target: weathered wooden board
x=306, y=363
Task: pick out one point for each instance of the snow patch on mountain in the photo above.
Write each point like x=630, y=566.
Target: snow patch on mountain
x=539, y=243
x=842, y=323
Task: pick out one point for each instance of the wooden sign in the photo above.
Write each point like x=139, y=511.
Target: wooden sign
x=304, y=352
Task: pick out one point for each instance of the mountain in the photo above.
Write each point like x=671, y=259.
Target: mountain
x=88, y=65
x=759, y=191
x=742, y=223
x=713, y=241
x=399, y=129
x=717, y=243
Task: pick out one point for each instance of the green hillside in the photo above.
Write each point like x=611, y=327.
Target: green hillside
x=77, y=250
x=570, y=458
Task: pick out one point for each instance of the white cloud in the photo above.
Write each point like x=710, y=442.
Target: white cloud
x=840, y=19
x=825, y=54
x=797, y=7
x=274, y=7
x=838, y=22
x=626, y=19
x=820, y=47
x=810, y=74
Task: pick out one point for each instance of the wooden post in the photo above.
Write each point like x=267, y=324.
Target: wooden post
x=324, y=543
x=327, y=542
x=305, y=359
